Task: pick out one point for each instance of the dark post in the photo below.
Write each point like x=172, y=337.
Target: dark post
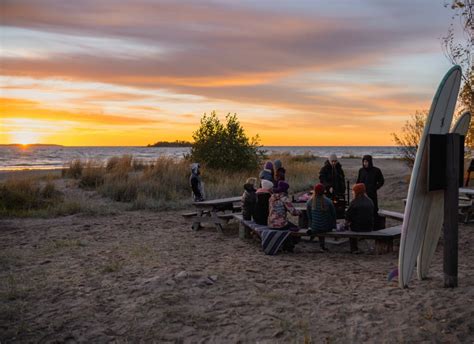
x=451, y=200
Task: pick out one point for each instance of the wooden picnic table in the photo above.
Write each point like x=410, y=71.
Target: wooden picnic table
x=213, y=211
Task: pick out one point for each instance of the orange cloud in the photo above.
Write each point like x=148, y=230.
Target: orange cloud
x=23, y=108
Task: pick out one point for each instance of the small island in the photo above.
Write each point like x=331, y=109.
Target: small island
x=177, y=143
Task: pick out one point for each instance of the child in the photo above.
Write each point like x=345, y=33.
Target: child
x=249, y=199
x=195, y=182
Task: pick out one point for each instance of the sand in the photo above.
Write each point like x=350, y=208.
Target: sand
x=146, y=276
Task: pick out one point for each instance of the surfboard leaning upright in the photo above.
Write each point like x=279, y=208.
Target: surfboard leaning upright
x=436, y=215
x=418, y=198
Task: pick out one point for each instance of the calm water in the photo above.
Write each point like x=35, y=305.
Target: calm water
x=53, y=157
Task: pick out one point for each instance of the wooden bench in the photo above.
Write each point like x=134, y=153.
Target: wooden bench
x=383, y=238
x=391, y=214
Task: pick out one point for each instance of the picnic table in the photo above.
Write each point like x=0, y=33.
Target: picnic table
x=216, y=211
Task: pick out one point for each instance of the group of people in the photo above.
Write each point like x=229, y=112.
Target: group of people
x=269, y=204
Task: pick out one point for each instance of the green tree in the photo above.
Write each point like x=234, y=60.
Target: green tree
x=225, y=146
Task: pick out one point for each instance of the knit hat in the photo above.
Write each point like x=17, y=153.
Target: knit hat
x=282, y=187
x=277, y=163
x=269, y=165
x=319, y=189
x=266, y=184
x=359, y=189
x=333, y=157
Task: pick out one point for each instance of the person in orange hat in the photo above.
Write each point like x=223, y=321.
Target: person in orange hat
x=321, y=214
x=360, y=214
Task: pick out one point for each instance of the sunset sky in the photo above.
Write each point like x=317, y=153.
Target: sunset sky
x=129, y=73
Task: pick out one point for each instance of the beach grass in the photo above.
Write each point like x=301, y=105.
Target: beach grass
x=160, y=185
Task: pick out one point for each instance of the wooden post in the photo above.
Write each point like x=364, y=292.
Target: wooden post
x=451, y=201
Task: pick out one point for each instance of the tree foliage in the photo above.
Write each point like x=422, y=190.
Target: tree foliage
x=410, y=136
x=459, y=49
x=225, y=146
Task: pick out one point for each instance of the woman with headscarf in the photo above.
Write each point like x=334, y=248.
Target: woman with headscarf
x=360, y=214
x=321, y=214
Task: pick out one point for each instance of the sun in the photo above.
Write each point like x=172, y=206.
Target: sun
x=24, y=137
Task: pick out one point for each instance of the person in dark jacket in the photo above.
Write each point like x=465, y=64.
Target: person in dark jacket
x=249, y=199
x=195, y=182
x=360, y=214
x=279, y=171
x=321, y=214
x=373, y=180
x=332, y=177
x=262, y=202
x=268, y=172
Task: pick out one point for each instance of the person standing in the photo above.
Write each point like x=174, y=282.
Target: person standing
x=373, y=180
x=359, y=215
x=321, y=214
x=332, y=177
x=195, y=182
x=280, y=171
x=249, y=199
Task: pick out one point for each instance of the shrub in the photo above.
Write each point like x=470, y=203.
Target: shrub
x=92, y=175
x=24, y=195
x=410, y=137
x=226, y=146
x=73, y=169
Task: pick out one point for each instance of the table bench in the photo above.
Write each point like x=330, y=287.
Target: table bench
x=383, y=238
x=213, y=211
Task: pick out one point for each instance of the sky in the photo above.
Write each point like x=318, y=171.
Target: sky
x=130, y=73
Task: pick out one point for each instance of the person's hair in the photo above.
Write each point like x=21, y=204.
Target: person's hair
x=318, y=199
x=251, y=180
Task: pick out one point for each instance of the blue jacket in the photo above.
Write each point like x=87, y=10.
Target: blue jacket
x=321, y=220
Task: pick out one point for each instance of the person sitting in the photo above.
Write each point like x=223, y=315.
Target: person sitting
x=249, y=199
x=321, y=214
x=360, y=214
x=332, y=177
x=195, y=182
x=279, y=171
x=279, y=205
x=267, y=173
x=263, y=194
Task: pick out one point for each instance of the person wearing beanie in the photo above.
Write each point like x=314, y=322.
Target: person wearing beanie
x=279, y=206
x=195, y=182
x=263, y=194
x=360, y=214
x=373, y=180
x=321, y=214
x=332, y=177
x=249, y=199
x=268, y=172
x=279, y=171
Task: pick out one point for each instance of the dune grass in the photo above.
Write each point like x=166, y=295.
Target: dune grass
x=162, y=184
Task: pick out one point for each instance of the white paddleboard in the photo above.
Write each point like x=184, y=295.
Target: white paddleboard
x=436, y=217
x=418, y=198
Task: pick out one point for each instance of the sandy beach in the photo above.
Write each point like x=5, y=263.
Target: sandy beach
x=143, y=276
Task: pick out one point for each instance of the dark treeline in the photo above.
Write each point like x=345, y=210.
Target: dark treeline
x=177, y=143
